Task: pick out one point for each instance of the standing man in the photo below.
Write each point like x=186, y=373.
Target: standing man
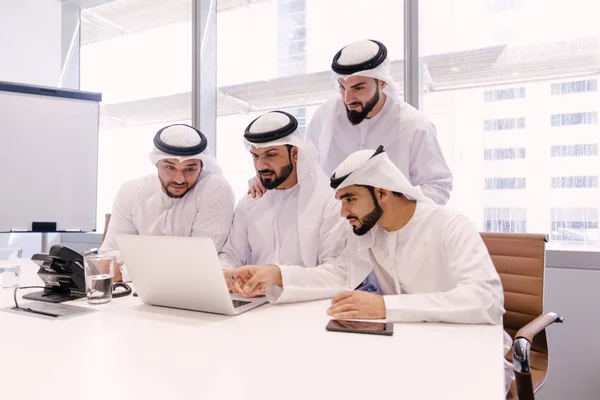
x=187, y=197
x=367, y=112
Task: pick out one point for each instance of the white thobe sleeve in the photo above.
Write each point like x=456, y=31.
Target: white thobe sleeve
x=214, y=211
x=478, y=296
x=121, y=220
x=332, y=233
x=428, y=168
x=304, y=284
x=236, y=249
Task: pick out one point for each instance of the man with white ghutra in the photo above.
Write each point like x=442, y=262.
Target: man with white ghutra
x=409, y=259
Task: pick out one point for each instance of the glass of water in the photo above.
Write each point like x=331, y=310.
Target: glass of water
x=99, y=275
x=10, y=268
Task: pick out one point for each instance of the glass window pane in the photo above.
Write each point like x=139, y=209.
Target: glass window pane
x=516, y=110
x=286, y=48
x=138, y=55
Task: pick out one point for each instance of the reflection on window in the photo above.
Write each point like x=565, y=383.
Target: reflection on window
x=505, y=219
x=575, y=150
x=504, y=154
x=504, y=94
x=488, y=97
x=504, y=183
x=574, y=225
x=564, y=182
x=138, y=55
x=503, y=124
x=291, y=58
x=506, y=226
x=276, y=55
x=589, y=85
x=574, y=118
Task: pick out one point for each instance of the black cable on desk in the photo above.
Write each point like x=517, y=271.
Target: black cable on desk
x=28, y=309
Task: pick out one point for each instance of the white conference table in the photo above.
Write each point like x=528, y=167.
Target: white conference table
x=128, y=350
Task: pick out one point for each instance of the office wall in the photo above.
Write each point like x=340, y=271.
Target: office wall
x=574, y=346
x=30, y=41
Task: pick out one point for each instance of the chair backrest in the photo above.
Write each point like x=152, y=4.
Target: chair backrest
x=519, y=259
x=106, y=222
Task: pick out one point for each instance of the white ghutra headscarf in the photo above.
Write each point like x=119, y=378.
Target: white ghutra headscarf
x=278, y=128
x=183, y=142
x=374, y=168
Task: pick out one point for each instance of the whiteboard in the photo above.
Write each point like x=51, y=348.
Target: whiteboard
x=48, y=157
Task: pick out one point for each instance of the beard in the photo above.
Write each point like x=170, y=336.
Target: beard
x=278, y=179
x=166, y=185
x=356, y=117
x=368, y=221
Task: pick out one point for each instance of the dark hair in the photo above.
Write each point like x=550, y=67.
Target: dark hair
x=289, y=148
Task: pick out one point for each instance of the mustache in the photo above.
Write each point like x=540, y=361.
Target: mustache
x=355, y=104
x=266, y=171
x=177, y=184
x=351, y=217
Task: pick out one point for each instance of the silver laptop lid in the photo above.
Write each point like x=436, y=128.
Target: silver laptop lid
x=180, y=272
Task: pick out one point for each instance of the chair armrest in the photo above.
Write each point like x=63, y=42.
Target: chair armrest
x=537, y=325
x=521, y=350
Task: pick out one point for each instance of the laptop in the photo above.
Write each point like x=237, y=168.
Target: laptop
x=180, y=272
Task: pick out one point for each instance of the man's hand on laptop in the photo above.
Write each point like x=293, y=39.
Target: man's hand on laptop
x=251, y=280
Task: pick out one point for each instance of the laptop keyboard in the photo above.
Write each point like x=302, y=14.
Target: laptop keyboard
x=239, y=303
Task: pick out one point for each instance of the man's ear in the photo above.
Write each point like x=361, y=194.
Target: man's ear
x=382, y=84
x=294, y=154
x=382, y=194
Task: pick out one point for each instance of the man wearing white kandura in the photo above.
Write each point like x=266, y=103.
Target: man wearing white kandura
x=297, y=221
x=367, y=112
x=410, y=260
x=187, y=197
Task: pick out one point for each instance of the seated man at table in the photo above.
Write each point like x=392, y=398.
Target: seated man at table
x=297, y=221
x=187, y=197
x=410, y=260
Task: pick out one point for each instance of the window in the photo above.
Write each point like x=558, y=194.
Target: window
x=590, y=85
x=504, y=183
x=138, y=55
x=504, y=94
x=276, y=55
x=504, y=219
x=565, y=182
x=503, y=124
x=291, y=37
x=575, y=150
x=574, y=118
x=504, y=154
x=574, y=225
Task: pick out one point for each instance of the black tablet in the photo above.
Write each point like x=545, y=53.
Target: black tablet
x=373, y=328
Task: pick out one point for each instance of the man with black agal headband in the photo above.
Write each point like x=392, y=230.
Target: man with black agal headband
x=367, y=112
x=297, y=221
x=187, y=197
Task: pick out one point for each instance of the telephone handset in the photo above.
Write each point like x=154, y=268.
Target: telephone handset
x=63, y=275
